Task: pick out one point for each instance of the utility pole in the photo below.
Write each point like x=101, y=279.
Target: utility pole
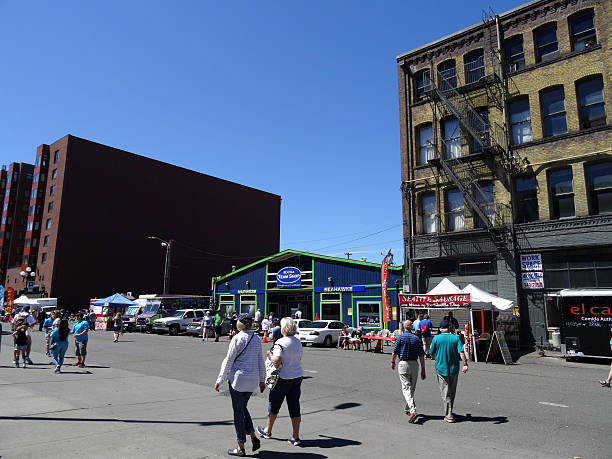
x=167, y=266
x=348, y=255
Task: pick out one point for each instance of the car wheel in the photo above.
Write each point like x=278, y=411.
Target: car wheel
x=327, y=342
x=149, y=329
x=173, y=330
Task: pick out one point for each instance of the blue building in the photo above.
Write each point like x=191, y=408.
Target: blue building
x=320, y=286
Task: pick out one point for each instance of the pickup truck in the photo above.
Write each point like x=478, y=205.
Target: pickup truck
x=178, y=322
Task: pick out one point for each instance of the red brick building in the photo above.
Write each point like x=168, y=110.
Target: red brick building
x=91, y=209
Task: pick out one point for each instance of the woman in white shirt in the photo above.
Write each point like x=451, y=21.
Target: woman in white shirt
x=288, y=352
x=265, y=326
x=244, y=369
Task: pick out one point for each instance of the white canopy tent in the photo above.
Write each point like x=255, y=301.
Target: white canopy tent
x=24, y=301
x=445, y=287
x=479, y=296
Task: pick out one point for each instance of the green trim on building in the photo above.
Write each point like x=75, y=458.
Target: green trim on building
x=266, y=292
x=313, y=255
x=313, y=293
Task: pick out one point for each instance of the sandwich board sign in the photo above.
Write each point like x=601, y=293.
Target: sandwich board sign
x=498, y=342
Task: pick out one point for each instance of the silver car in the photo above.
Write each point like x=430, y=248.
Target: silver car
x=325, y=332
x=196, y=328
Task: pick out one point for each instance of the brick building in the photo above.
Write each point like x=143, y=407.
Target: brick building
x=90, y=209
x=506, y=151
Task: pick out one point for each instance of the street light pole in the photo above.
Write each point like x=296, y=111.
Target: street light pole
x=168, y=245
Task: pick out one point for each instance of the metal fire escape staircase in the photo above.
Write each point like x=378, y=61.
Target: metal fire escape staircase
x=460, y=170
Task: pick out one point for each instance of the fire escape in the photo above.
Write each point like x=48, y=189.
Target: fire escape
x=447, y=96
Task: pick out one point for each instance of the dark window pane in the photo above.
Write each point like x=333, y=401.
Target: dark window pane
x=555, y=125
x=546, y=43
x=590, y=91
x=515, y=58
x=582, y=278
x=447, y=75
x=599, y=178
x=592, y=108
x=556, y=279
x=561, y=181
x=474, y=66
x=583, y=31
x=565, y=206
x=527, y=199
x=604, y=277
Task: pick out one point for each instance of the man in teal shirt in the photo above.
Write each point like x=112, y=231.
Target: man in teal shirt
x=447, y=351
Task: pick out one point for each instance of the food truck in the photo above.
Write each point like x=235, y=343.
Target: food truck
x=585, y=319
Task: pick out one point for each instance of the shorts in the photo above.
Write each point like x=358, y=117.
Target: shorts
x=117, y=328
x=291, y=389
x=80, y=347
x=21, y=348
x=218, y=329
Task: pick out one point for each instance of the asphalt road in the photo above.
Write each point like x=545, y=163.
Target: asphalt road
x=152, y=396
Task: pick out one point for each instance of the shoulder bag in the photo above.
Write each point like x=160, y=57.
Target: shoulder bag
x=272, y=372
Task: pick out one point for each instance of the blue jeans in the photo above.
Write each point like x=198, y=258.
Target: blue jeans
x=291, y=389
x=242, y=418
x=59, y=352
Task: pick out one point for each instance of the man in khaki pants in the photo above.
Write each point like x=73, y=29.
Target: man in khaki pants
x=409, y=348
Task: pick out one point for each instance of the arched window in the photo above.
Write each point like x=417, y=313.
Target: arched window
x=591, y=102
x=514, y=53
x=422, y=84
x=447, y=75
x=428, y=213
x=545, y=39
x=451, y=135
x=474, y=66
x=582, y=30
x=553, y=111
x=426, y=150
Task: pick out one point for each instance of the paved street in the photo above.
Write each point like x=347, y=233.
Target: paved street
x=152, y=396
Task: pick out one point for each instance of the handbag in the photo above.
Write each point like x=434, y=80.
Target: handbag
x=272, y=371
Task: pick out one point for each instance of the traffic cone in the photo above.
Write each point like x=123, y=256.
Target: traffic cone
x=265, y=339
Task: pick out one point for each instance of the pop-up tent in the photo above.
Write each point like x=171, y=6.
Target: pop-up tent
x=114, y=301
x=479, y=296
x=445, y=287
x=24, y=301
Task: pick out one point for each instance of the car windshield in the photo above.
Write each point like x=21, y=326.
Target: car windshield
x=304, y=324
x=132, y=310
x=178, y=314
x=151, y=309
x=316, y=325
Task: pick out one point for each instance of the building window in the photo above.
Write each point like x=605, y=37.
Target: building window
x=5, y=207
x=553, y=112
x=32, y=210
x=50, y=206
x=455, y=217
x=43, y=177
x=447, y=75
x=51, y=190
x=226, y=304
x=27, y=243
x=43, y=258
x=25, y=259
x=34, y=242
x=599, y=186
x=35, y=179
x=561, y=190
x=4, y=220
x=578, y=268
x=428, y=213
x=37, y=163
x=520, y=119
x=526, y=189
x=36, y=226
x=29, y=225
x=472, y=267
x=591, y=102
x=474, y=66
x=582, y=30
x=46, y=240
x=546, y=44
x=484, y=198
x=54, y=174
x=451, y=135
x=33, y=195
x=56, y=156
x=331, y=305
x=515, y=56
x=369, y=315
x=48, y=224
x=423, y=83
x=482, y=126
x=426, y=150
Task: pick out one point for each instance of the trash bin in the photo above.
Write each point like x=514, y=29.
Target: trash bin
x=556, y=339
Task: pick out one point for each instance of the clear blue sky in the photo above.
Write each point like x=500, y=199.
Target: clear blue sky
x=295, y=98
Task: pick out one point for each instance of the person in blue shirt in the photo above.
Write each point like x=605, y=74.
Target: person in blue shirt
x=48, y=326
x=58, y=339
x=80, y=330
x=276, y=329
x=447, y=352
x=425, y=326
x=409, y=348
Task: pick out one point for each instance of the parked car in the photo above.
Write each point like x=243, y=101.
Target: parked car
x=195, y=328
x=302, y=323
x=326, y=332
x=178, y=322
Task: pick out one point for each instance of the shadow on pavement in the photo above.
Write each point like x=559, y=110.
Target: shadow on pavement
x=129, y=421
x=423, y=418
x=328, y=442
x=280, y=454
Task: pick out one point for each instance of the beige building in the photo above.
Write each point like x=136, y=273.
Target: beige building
x=506, y=147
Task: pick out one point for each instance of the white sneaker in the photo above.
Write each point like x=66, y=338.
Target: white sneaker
x=24, y=365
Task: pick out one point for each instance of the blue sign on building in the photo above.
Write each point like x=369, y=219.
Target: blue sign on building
x=289, y=277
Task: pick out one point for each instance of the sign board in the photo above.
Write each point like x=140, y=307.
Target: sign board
x=531, y=262
x=2, y=294
x=394, y=310
x=586, y=323
x=436, y=301
x=349, y=311
x=101, y=323
x=533, y=279
x=244, y=292
x=289, y=277
x=498, y=342
x=9, y=296
x=356, y=288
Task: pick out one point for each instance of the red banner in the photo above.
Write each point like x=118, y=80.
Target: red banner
x=384, y=274
x=461, y=300
x=9, y=297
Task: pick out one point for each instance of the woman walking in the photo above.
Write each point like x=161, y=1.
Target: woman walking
x=117, y=325
x=58, y=343
x=244, y=369
x=21, y=335
x=287, y=351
